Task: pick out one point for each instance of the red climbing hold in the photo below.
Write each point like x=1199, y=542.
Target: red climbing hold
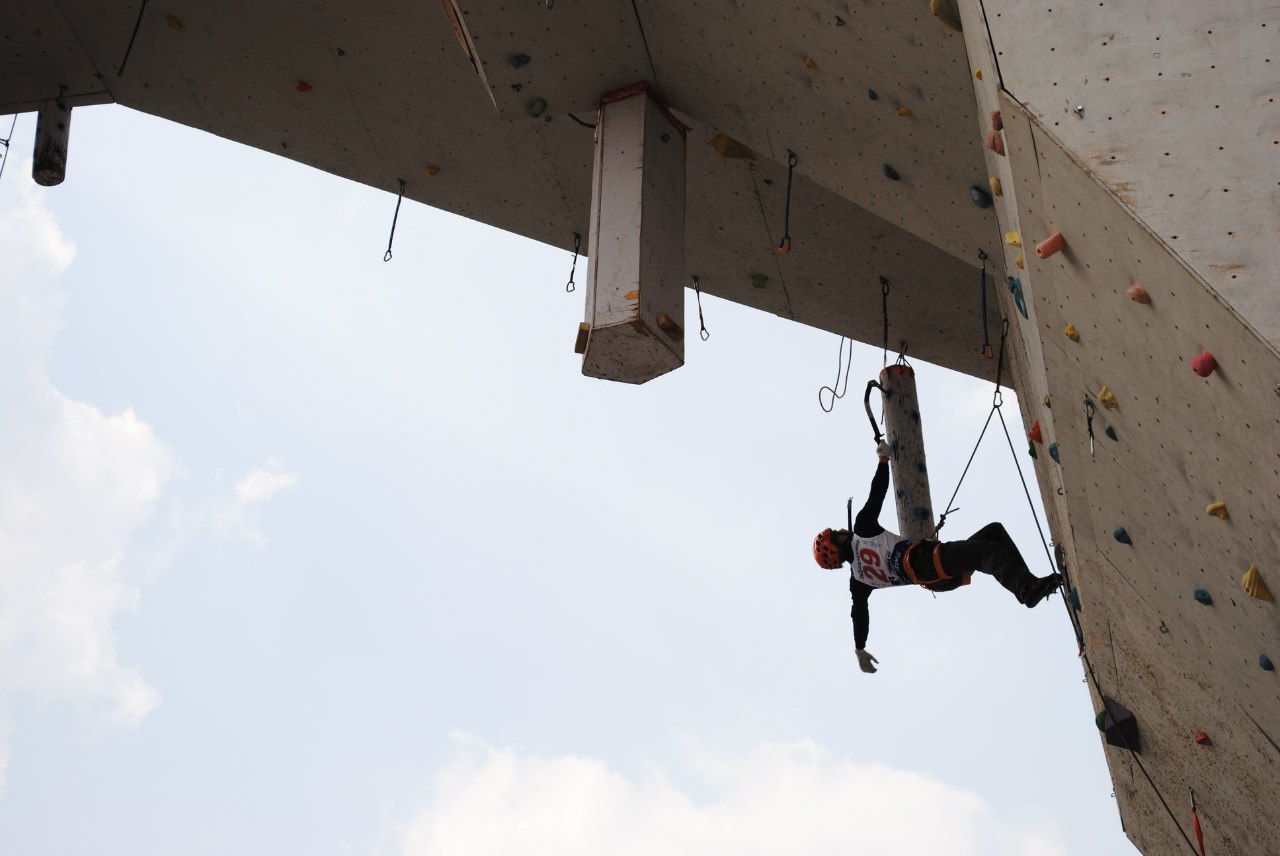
x=1203, y=739
x=1138, y=294
x=1050, y=245
x=995, y=142
x=303, y=86
x=997, y=124
x=1034, y=434
x=1204, y=364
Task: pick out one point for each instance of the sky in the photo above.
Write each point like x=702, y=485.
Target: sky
x=301, y=551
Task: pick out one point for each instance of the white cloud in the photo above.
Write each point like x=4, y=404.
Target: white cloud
x=782, y=799
x=254, y=489
x=74, y=484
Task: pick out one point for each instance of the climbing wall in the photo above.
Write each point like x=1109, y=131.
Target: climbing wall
x=1111, y=332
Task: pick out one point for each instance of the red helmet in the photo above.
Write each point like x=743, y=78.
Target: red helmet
x=825, y=551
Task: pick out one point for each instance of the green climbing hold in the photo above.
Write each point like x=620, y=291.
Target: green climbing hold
x=759, y=280
x=1203, y=596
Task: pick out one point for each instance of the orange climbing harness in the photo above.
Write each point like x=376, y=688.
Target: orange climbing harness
x=940, y=574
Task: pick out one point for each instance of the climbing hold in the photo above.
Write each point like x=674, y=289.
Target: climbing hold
x=946, y=12
x=979, y=197
x=1017, y=260
x=1034, y=434
x=1265, y=662
x=1118, y=725
x=520, y=60
x=1108, y=398
x=904, y=111
x=997, y=124
x=1254, y=585
x=996, y=187
x=1110, y=432
x=1046, y=401
x=995, y=142
x=1071, y=333
x=920, y=513
x=1053, y=453
x=1015, y=288
x=1050, y=245
x=431, y=169
x=536, y=107
x=871, y=93
x=1204, y=364
x=303, y=86
x=1013, y=239
x=1138, y=294
x=1217, y=509
x=977, y=72
x=809, y=63
x=173, y=21
x=1073, y=598
x=728, y=147
x=1031, y=450
x=1203, y=739
x=1122, y=535
x=891, y=173
x=759, y=280
x=1203, y=596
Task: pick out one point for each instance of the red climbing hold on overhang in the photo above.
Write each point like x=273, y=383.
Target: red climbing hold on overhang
x=1204, y=364
x=1034, y=434
x=1051, y=245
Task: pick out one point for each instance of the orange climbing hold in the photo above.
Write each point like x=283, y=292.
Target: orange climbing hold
x=1071, y=333
x=1203, y=739
x=1138, y=294
x=1204, y=364
x=1216, y=509
x=1034, y=434
x=1051, y=245
x=995, y=142
x=1254, y=586
x=904, y=111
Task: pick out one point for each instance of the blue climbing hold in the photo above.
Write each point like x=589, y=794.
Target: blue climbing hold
x=920, y=512
x=1073, y=598
x=1015, y=288
x=1203, y=596
x=1110, y=432
x=871, y=93
x=1053, y=453
x=1265, y=662
x=520, y=60
x=1122, y=535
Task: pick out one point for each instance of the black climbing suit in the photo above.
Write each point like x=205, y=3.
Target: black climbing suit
x=989, y=550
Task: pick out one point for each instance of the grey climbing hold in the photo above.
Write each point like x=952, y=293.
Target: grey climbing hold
x=1122, y=535
x=1110, y=432
x=1265, y=662
x=871, y=93
x=536, y=107
x=1015, y=288
x=980, y=197
x=891, y=173
x=1203, y=596
x=1053, y=453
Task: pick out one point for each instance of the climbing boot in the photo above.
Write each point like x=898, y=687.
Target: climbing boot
x=1040, y=588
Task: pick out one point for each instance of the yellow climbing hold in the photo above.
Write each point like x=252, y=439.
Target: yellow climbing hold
x=904, y=111
x=1108, y=398
x=1254, y=586
x=1017, y=260
x=997, y=189
x=1217, y=509
x=977, y=72
x=946, y=12
x=728, y=147
x=1013, y=239
x=431, y=169
x=1072, y=333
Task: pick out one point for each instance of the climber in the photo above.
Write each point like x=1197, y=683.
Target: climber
x=879, y=558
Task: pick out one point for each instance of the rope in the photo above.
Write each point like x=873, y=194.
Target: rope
x=884, y=312
x=4, y=156
x=137, y=26
x=784, y=246
x=840, y=370
x=387, y=256
x=577, y=243
x=986, y=336
x=697, y=290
